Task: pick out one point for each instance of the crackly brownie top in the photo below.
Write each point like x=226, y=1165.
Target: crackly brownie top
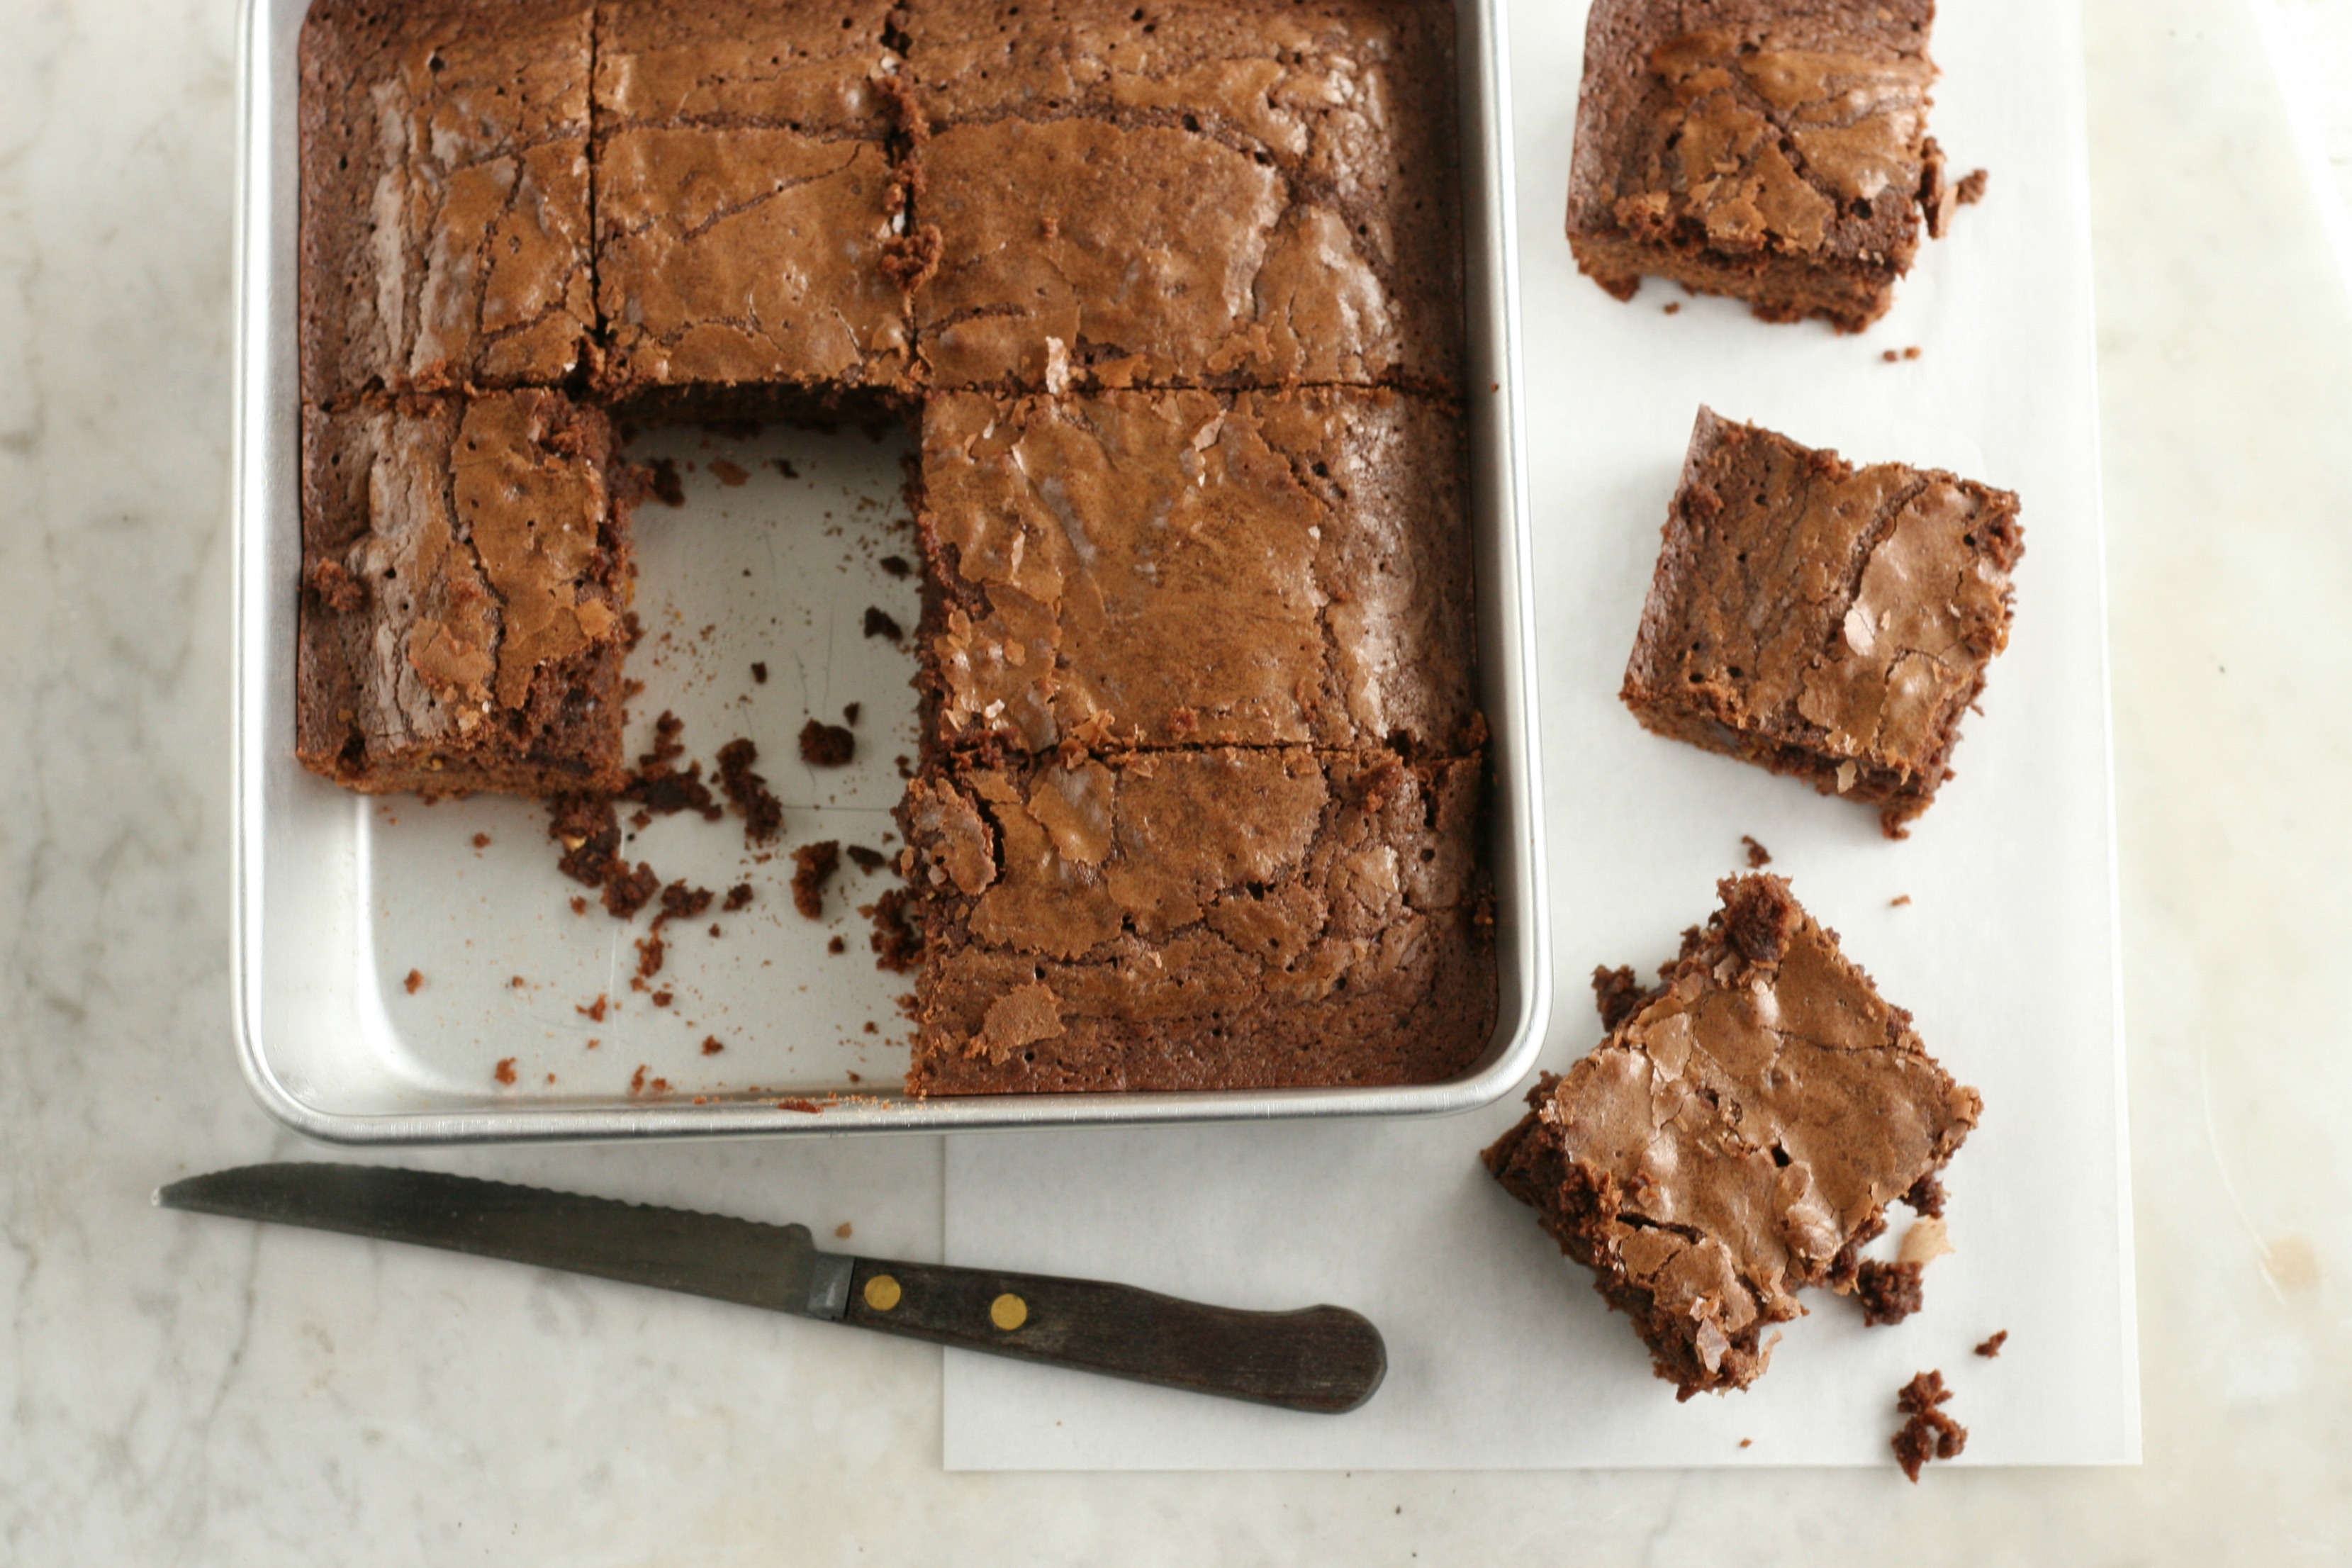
x=1747, y=125
x=1304, y=549
x=730, y=64
x=444, y=214
x=471, y=541
x=1747, y=1121
x=1859, y=605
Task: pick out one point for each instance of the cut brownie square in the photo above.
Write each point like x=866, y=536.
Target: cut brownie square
x=1150, y=569
x=746, y=203
x=1206, y=918
x=1309, y=177
x=445, y=234
x=1775, y=150
x=466, y=577
x=1736, y=1137
x=1823, y=620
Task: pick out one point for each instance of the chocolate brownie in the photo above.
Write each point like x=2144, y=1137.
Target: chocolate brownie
x=1775, y=150
x=465, y=574
x=1303, y=555
x=443, y=222
x=1301, y=199
x=746, y=198
x=1199, y=919
x=1736, y=1137
x=1824, y=620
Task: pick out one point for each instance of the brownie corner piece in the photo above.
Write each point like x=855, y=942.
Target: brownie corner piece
x=1822, y=620
x=466, y=578
x=1773, y=150
x=445, y=216
x=1705, y=1160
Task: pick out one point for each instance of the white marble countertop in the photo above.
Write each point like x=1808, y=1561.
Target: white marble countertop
x=179, y=1391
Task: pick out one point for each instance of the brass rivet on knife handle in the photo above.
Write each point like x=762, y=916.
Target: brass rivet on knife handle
x=882, y=1292
x=1008, y=1311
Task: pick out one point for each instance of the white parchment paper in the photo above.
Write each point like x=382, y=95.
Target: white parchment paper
x=1501, y=1355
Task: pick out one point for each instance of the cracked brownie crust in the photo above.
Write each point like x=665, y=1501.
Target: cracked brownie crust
x=466, y=575
x=1201, y=918
x=1307, y=551
x=1822, y=620
x=444, y=229
x=1775, y=150
x=1736, y=1137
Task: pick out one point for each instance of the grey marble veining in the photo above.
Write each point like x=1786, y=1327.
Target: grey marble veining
x=176, y=1390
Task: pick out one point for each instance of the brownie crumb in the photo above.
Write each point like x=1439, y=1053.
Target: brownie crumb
x=414, y=982
x=738, y=897
x=1757, y=855
x=1900, y=901
x=910, y=260
x=664, y=997
x=849, y=714
x=837, y=946
x=1971, y=188
x=731, y=475
x=505, y=1072
x=1925, y=1197
x=826, y=745
x=1889, y=1292
x=590, y=831
x=626, y=893
x=664, y=792
x=881, y=624
x=867, y=860
x=1991, y=1348
x=806, y=1107
x=668, y=745
x=1891, y=356
x=763, y=813
x=1911, y=352
x=668, y=489
x=816, y=863
x=785, y=466
x=715, y=931
x=897, y=566
x=1674, y=307
x=898, y=944
x=517, y=981
x=594, y=1011
x=842, y=1232
x=759, y=673
x=1929, y=1433
x=710, y=1045
x=1618, y=993
x=481, y=841
x=637, y=1079
x=578, y=906
x=680, y=902
x=651, y=952
x=337, y=589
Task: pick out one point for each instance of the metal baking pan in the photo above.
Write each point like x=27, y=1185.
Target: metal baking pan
x=340, y=898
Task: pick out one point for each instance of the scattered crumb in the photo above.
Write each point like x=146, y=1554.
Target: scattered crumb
x=578, y=906
x=763, y=813
x=660, y=1086
x=415, y=979
x=1891, y=356
x=785, y=467
x=837, y=946
x=897, y=566
x=663, y=998
x=816, y=863
x=594, y=1011
x=714, y=928
x=1674, y=307
x=681, y=902
x=810, y=1107
x=867, y=860
x=1911, y=352
x=710, y=1045
x=651, y=950
x=896, y=944
x=1928, y=1433
x=594, y=1042
x=1991, y=1348
x=842, y=1230
x=759, y=673
x=668, y=489
x=505, y=1073
x=1901, y=900
x=1925, y=1197
x=826, y=745
x=516, y=980
x=882, y=624
x=849, y=714
x=738, y=897
x=1748, y=1442
x=551, y=1078
x=906, y=769
x=1971, y=188
x=1889, y=1292
x=1757, y=855
x=481, y=841
x=872, y=1028
x=727, y=473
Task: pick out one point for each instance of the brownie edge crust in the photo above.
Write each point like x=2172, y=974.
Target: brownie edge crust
x=1735, y=1138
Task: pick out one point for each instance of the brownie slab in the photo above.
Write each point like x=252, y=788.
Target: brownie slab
x=444, y=229
x=1822, y=620
x=1736, y=1137
x=1775, y=150
x=1350, y=101
x=1202, y=919
x=466, y=575
x=746, y=199
x=1151, y=569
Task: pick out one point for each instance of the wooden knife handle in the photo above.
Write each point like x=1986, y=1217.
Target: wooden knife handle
x=1326, y=1359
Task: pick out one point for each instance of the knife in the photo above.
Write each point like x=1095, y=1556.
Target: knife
x=1325, y=1360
